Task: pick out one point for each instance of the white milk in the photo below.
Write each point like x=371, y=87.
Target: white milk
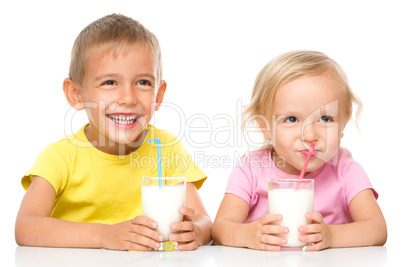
x=293, y=206
x=162, y=205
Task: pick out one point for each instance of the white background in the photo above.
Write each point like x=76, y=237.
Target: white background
x=212, y=52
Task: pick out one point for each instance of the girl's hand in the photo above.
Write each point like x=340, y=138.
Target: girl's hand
x=317, y=233
x=187, y=235
x=261, y=233
x=138, y=234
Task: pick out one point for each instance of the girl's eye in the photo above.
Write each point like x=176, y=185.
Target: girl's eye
x=109, y=83
x=144, y=82
x=291, y=119
x=325, y=119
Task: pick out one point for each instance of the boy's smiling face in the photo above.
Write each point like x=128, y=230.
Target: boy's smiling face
x=120, y=94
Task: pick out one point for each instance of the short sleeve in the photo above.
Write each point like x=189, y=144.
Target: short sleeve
x=182, y=165
x=354, y=177
x=240, y=183
x=52, y=165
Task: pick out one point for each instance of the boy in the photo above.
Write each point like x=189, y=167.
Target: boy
x=85, y=190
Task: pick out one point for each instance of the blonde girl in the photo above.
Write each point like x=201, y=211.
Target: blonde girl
x=298, y=98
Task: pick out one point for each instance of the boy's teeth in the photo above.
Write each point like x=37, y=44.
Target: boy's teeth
x=121, y=119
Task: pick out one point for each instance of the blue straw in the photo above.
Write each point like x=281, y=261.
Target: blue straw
x=158, y=146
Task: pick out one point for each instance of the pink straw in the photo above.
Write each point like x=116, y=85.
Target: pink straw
x=310, y=152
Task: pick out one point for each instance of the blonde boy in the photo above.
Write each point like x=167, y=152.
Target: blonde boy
x=84, y=191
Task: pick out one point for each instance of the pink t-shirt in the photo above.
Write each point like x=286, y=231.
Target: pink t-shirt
x=335, y=184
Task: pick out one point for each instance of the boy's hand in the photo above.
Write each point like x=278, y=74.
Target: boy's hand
x=316, y=233
x=261, y=233
x=136, y=234
x=188, y=234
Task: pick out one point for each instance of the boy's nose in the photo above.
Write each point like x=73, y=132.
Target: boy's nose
x=127, y=96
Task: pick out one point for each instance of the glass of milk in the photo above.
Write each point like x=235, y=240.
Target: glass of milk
x=162, y=197
x=292, y=204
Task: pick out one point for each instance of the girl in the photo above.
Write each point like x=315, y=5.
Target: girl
x=298, y=98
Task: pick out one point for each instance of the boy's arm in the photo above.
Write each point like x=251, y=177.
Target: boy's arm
x=34, y=227
x=196, y=225
x=202, y=221
x=368, y=227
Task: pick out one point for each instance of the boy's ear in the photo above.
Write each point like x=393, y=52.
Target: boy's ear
x=160, y=95
x=73, y=94
x=264, y=126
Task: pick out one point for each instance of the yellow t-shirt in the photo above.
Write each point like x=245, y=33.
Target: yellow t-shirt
x=92, y=186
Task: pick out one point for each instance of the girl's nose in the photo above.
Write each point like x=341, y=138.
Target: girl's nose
x=310, y=133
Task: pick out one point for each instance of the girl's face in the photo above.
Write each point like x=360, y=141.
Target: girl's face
x=310, y=108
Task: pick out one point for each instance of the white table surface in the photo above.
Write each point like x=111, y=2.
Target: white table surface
x=203, y=256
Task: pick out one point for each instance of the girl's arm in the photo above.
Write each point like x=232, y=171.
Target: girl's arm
x=368, y=227
x=196, y=225
x=34, y=227
x=229, y=228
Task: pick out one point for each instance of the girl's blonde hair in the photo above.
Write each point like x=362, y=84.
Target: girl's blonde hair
x=286, y=68
x=111, y=33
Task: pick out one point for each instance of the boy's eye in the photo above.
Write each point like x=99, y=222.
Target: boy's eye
x=109, y=83
x=291, y=119
x=325, y=119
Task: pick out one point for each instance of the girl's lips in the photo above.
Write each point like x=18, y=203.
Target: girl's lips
x=305, y=152
x=125, y=121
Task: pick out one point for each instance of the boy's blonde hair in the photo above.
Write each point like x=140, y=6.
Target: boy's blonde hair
x=286, y=68
x=111, y=33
